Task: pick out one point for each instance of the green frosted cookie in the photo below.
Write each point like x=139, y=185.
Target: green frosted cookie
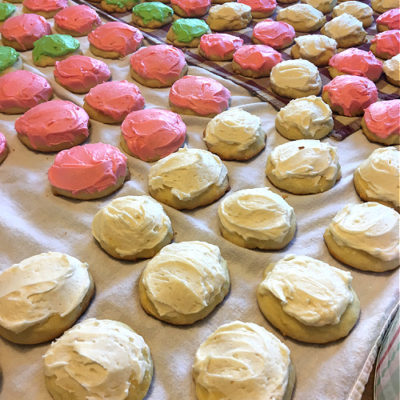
x=187, y=29
x=151, y=11
x=8, y=57
x=6, y=9
x=54, y=46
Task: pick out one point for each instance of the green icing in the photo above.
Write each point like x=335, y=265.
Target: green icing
x=6, y=10
x=8, y=57
x=154, y=10
x=122, y=3
x=54, y=46
x=187, y=29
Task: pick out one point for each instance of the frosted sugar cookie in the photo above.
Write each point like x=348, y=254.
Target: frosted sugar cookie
x=391, y=68
x=9, y=60
x=303, y=17
x=318, y=49
x=219, y=46
x=229, y=16
x=363, y=12
x=76, y=20
x=45, y=8
x=186, y=32
x=153, y=14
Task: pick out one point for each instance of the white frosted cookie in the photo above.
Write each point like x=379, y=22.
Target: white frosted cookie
x=188, y=179
x=257, y=218
x=98, y=359
x=303, y=17
x=347, y=30
x=381, y=6
x=377, y=178
x=42, y=296
x=391, y=68
x=363, y=12
x=303, y=166
x=325, y=6
x=295, y=78
x=365, y=236
x=317, y=49
x=304, y=118
x=235, y=134
x=308, y=299
x=229, y=16
x=243, y=361
x=184, y=282
x=132, y=227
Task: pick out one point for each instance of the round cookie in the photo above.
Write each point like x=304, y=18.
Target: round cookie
x=188, y=179
x=191, y=8
x=381, y=122
x=3, y=148
x=45, y=8
x=325, y=6
x=186, y=32
x=9, y=60
x=304, y=118
x=381, y=6
x=363, y=12
x=114, y=40
x=152, y=134
x=266, y=370
x=260, y=8
x=377, y=177
x=21, y=90
x=295, y=78
x=184, y=282
x=87, y=172
x=308, y=300
x=76, y=20
x=111, y=102
x=42, y=296
x=153, y=14
x=99, y=358
x=349, y=95
x=219, y=46
x=117, y=6
x=388, y=20
x=229, y=16
x=235, y=134
x=303, y=166
x=365, y=236
x=391, y=68
x=303, y=17
x=257, y=219
x=386, y=44
x=199, y=95
x=132, y=227
x=146, y=68
x=52, y=126
x=79, y=74
x=6, y=10
x=276, y=34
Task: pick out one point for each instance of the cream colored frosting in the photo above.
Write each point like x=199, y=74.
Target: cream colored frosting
x=391, y=68
x=40, y=287
x=256, y=213
x=234, y=127
x=242, y=361
x=301, y=13
x=314, y=45
x=370, y=227
x=131, y=224
x=228, y=11
x=188, y=173
x=318, y=3
x=304, y=159
x=355, y=8
x=307, y=114
x=313, y=292
x=184, y=278
x=98, y=359
x=342, y=26
x=380, y=172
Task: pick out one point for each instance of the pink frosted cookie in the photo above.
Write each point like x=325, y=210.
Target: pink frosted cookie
x=114, y=40
x=386, y=44
x=88, y=172
x=198, y=95
x=388, y=20
x=76, y=20
x=21, y=90
x=158, y=66
x=152, y=134
x=3, y=148
x=79, y=74
x=219, y=46
x=21, y=31
x=349, y=95
x=52, y=126
x=111, y=102
x=260, y=8
x=276, y=34
x=45, y=8
x=356, y=62
x=381, y=122
x=191, y=8
x=255, y=60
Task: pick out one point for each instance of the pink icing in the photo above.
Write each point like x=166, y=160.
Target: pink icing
x=115, y=99
x=202, y=95
x=53, y=122
x=89, y=168
x=3, y=144
x=45, y=5
x=193, y=8
x=357, y=62
x=152, y=134
x=274, y=33
x=81, y=73
x=25, y=29
x=390, y=18
x=116, y=36
x=219, y=44
x=351, y=93
x=387, y=42
x=383, y=118
x=257, y=57
x=161, y=62
x=23, y=89
x=79, y=19
x=260, y=5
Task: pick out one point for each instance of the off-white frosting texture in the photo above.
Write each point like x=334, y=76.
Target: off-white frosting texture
x=342, y=26
x=355, y=8
x=391, y=68
x=303, y=13
x=314, y=45
x=228, y=11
